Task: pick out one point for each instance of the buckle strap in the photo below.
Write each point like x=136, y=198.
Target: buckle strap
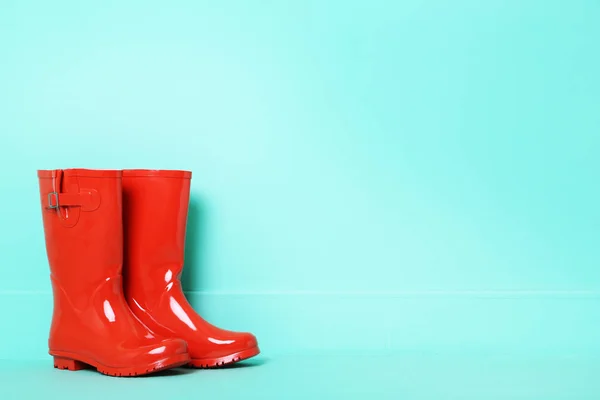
x=87, y=199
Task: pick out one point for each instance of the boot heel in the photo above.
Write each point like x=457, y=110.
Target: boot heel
x=68, y=363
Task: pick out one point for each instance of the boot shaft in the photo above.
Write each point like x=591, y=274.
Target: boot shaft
x=155, y=207
x=83, y=228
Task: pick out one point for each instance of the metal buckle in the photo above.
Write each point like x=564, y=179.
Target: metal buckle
x=50, y=204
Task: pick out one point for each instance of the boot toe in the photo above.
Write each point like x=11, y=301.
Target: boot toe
x=225, y=344
x=164, y=349
x=169, y=347
x=249, y=340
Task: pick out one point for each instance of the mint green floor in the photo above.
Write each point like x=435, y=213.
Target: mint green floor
x=378, y=376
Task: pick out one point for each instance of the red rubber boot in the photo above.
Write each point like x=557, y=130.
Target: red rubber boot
x=155, y=214
x=92, y=323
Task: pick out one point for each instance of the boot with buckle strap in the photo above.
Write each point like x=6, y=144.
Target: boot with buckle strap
x=92, y=324
x=155, y=207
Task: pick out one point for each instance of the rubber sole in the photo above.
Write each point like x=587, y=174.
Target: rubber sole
x=205, y=363
x=73, y=362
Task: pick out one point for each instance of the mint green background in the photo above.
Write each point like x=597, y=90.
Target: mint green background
x=368, y=175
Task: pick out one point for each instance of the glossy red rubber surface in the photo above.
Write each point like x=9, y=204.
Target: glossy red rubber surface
x=92, y=323
x=155, y=214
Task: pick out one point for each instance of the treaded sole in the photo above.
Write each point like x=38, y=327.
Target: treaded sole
x=207, y=363
x=73, y=362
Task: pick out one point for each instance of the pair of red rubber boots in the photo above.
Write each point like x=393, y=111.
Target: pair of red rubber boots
x=115, y=245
